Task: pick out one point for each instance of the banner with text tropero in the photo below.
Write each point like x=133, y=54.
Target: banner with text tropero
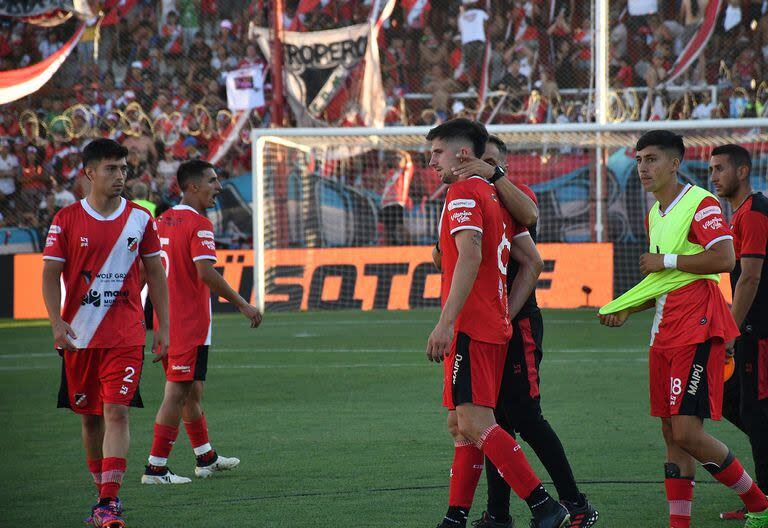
x=393, y=278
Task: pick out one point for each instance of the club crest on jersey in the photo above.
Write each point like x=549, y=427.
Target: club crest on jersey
x=133, y=243
x=80, y=399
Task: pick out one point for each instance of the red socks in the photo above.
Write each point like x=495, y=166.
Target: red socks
x=734, y=476
x=94, y=466
x=198, y=435
x=162, y=443
x=112, y=471
x=509, y=459
x=465, y=473
x=680, y=498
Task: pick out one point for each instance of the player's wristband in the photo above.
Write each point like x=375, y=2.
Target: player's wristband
x=670, y=261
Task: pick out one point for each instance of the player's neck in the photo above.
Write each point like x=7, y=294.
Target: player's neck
x=668, y=193
x=104, y=205
x=739, y=197
x=194, y=205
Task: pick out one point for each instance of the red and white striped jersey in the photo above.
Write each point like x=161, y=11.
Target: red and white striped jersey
x=101, y=271
x=186, y=236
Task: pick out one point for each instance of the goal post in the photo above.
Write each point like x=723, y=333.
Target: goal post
x=345, y=217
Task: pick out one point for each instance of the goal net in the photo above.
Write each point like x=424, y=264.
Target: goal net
x=346, y=218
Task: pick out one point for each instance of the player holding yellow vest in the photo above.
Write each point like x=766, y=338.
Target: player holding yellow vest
x=690, y=245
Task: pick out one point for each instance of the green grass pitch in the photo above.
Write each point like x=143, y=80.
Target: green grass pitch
x=338, y=422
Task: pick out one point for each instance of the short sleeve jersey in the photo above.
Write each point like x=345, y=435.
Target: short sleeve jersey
x=186, y=237
x=696, y=312
x=472, y=204
x=750, y=229
x=101, y=271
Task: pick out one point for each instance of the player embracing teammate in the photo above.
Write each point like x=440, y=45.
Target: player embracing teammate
x=472, y=333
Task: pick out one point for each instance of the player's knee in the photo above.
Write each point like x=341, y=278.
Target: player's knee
x=666, y=430
x=116, y=415
x=684, y=437
x=92, y=424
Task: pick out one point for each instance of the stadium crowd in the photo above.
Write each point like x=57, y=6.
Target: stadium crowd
x=158, y=83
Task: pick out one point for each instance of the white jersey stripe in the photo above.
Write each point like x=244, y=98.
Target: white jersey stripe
x=660, y=302
x=89, y=316
x=210, y=323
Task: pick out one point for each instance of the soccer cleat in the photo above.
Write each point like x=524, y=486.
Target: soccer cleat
x=89, y=520
x=107, y=515
x=220, y=463
x=582, y=516
x=445, y=524
x=556, y=516
x=757, y=519
x=486, y=522
x=735, y=515
x=164, y=477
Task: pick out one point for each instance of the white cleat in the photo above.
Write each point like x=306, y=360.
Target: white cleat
x=169, y=477
x=221, y=463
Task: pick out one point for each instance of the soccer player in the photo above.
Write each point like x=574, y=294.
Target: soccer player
x=97, y=243
x=745, y=401
x=473, y=330
x=519, y=405
x=189, y=252
x=690, y=245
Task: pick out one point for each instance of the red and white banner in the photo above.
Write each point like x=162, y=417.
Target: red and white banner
x=697, y=44
x=15, y=84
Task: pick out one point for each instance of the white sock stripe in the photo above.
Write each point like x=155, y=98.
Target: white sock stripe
x=157, y=461
x=203, y=449
x=485, y=435
x=115, y=475
x=680, y=507
x=742, y=485
x=96, y=477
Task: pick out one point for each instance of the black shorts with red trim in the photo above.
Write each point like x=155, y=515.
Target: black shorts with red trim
x=519, y=395
x=751, y=373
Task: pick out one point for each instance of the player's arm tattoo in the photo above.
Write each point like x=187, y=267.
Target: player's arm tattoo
x=477, y=239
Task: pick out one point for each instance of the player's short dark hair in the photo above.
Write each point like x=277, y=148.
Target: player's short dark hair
x=191, y=170
x=737, y=154
x=664, y=139
x=101, y=149
x=462, y=128
x=499, y=143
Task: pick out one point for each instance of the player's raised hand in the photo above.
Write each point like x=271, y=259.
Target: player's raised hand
x=252, y=313
x=439, y=342
x=63, y=335
x=160, y=340
x=614, y=319
x=651, y=262
x=472, y=166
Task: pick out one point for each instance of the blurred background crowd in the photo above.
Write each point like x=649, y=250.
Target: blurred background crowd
x=157, y=83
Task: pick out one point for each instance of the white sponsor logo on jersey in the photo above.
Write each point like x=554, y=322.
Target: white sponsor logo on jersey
x=183, y=368
x=83, y=241
x=707, y=211
x=714, y=224
x=54, y=230
x=208, y=244
x=461, y=216
x=467, y=204
x=205, y=234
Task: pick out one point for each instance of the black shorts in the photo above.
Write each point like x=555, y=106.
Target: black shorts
x=519, y=394
x=751, y=373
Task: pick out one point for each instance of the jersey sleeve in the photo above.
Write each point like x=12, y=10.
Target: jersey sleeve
x=463, y=209
x=754, y=240
x=56, y=244
x=708, y=226
x=528, y=192
x=150, y=242
x=202, y=245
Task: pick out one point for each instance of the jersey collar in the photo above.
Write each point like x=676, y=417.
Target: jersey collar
x=677, y=199
x=98, y=216
x=182, y=207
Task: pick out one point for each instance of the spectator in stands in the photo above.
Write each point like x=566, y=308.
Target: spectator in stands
x=432, y=50
x=704, y=109
x=441, y=88
x=10, y=172
x=471, y=25
x=34, y=181
x=395, y=197
x=50, y=45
